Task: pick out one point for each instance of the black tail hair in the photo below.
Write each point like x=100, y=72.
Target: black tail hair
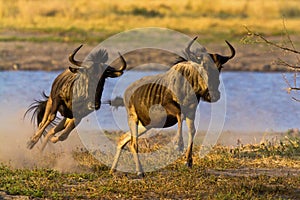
x=38, y=108
x=115, y=103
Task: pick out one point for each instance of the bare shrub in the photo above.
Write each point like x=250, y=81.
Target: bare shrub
x=287, y=46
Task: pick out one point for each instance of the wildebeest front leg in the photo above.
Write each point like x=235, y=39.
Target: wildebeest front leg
x=191, y=132
x=178, y=140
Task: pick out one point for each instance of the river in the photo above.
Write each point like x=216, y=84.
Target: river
x=251, y=101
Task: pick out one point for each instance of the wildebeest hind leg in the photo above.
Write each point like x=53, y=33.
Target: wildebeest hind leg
x=70, y=125
x=122, y=143
x=33, y=140
x=53, y=131
x=49, y=116
x=46, y=113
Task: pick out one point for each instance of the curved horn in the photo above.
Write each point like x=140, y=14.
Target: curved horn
x=223, y=59
x=187, y=49
x=71, y=57
x=123, y=67
x=231, y=49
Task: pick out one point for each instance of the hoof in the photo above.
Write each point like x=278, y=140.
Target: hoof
x=112, y=171
x=117, y=174
x=189, y=164
x=54, y=139
x=30, y=144
x=178, y=148
x=140, y=175
x=62, y=137
x=178, y=145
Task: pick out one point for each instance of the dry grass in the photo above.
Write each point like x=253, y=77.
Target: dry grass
x=269, y=170
x=94, y=20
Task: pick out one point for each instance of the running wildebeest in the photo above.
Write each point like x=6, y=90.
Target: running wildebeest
x=75, y=93
x=166, y=99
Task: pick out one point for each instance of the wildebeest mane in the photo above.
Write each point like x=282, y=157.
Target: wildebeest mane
x=189, y=55
x=179, y=59
x=82, y=85
x=186, y=77
x=97, y=56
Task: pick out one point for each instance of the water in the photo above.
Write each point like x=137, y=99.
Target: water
x=253, y=101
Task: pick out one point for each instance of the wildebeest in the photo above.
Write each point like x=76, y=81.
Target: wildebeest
x=166, y=99
x=75, y=93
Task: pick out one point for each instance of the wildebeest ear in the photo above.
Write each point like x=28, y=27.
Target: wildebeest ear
x=217, y=59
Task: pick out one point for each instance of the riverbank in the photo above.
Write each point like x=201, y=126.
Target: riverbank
x=49, y=56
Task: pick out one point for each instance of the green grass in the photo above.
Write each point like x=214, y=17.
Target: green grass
x=174, y=181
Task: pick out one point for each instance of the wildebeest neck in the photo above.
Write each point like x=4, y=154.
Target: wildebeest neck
x=99, y=91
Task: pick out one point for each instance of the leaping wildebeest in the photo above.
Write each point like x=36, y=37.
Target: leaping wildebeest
x=166, y=99
x=75, y=93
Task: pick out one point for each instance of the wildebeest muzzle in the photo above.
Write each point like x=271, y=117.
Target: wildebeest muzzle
x=212, y=96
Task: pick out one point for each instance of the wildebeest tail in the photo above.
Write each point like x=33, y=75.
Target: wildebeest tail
x=38, y=108
x=116, y=103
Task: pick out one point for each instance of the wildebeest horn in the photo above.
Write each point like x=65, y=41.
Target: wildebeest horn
x=71, y=57
x=224, y=59
x=188, y=50
x=231, y=49
x=122, y=68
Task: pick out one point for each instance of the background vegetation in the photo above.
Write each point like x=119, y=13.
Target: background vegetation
x=72, y=20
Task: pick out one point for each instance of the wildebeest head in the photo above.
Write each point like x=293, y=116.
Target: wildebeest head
x=212, y=93
x=91, y=75
x=209, y=81
x=95, y=64
x=212, y=69
x=219, y=60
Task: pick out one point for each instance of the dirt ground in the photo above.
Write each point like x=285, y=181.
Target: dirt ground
x=20, y=55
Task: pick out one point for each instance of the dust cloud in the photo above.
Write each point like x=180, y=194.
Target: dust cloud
x=16, y=131
x=14, y=134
